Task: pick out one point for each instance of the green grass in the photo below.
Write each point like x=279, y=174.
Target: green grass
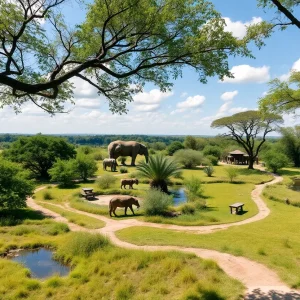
x=102, y=271
x=81, y=220
x=274, y=241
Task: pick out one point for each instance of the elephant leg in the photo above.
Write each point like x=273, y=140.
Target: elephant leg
x=126, y=210
x=110, y=211
x=114, y=211
x=131, y=209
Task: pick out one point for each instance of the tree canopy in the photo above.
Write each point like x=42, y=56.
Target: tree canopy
x=121, y=45
x=38, y=153
x=15, y=185
x=283, y=96
x=249, y=129
x=291, y=143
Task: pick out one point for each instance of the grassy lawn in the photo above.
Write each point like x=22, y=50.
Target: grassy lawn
x=281, y=192
x=274, y=241
x=81, y=220
x=102, y=271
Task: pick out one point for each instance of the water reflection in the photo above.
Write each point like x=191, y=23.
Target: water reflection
x=41, y=263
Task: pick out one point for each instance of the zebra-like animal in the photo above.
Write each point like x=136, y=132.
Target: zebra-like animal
x=109, y=162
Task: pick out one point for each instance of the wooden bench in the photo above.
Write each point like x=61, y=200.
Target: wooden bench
x=88, y=193
x=238, y=207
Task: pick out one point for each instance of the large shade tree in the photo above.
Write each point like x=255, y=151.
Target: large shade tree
x=249, y=129
x=120, y=45
x=38, y=153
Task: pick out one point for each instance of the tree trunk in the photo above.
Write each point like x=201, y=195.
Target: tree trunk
x=160, y=185
x=251, y=163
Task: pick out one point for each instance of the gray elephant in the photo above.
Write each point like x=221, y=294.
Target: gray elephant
x=109, y=162
x=131, y=148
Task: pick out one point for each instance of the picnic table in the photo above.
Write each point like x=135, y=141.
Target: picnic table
x=88, y=193
x=237, y=206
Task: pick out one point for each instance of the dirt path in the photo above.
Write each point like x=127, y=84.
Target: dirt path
x=261, y=282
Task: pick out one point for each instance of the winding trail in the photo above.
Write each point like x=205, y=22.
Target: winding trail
x=261, y=282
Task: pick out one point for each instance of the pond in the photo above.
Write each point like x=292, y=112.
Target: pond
x=179, y=195
x=40, y=262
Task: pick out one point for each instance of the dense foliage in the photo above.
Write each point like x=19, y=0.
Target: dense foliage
x=15, y=185
x=291, y=143
x=85, y=166
x=275, y=160
x=38, y=153
x=63, y=172
x=190, y=158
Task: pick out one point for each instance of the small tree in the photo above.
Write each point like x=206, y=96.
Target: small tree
x=194, y=188
x=208, y=170
x=63, y=172
x=232, y=173
x=15, y=185
x=158, y=169
x=85, y=166
x=173, y=147
x=249, y=129
x=189, y=158
x=275, y=161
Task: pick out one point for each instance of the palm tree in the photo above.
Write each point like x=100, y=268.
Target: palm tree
x=159, y=169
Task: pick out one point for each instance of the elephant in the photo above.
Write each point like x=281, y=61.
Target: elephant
x=109, y=162
x=131, y=148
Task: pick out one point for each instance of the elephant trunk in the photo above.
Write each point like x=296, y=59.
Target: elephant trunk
x=146, y=155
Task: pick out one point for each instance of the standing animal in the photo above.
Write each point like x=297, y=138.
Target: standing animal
x=109, y=162
x=122, y=201
x=131, y=148
x=129, y=182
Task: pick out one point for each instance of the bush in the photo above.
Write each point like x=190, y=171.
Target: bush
x=98, y=156
x=123, y=170
x=63, y=172
x=214, y=160
x=232, y=173
x=208, y=170
x=81, y=244
x=212, y=151
x=106, y=181
x=173, y=147
x=47, y=195
x=156, y=202
x=275, y=160
x=194, y=188
x=188, y=209
x=189, y=158
x=85, y=166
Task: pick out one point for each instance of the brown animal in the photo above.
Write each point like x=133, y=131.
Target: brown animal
x=122, y=201
x=129, y=182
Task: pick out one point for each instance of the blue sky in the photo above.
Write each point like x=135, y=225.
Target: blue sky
x=191, y=106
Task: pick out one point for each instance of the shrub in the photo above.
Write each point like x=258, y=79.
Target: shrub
x=63, y=172
x=106, y=181
x=122, y=160
x=189, y=158
x=214, y=160
x=275, y=160
x=188, y=209
x=98, y=156
x=208, y=170
x=85, y=166
x=47, y=195
x=194, y=188
x=212, y=151
x=173, y=147
x=232, y=173
x=156, y=202
x=123, y=170
x=81, y=244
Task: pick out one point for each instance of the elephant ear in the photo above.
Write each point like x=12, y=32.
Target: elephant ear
x=143, y=149
x=118, y=148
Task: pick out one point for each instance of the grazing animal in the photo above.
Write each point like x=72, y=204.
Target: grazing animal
x=129, y=182
x=122, y=201
x=109, y=162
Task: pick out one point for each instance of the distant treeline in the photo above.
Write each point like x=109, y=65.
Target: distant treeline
x=99, y=140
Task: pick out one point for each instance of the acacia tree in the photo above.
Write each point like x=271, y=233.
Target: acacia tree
x=282, y=96
x=249, y=129
x=121, y=45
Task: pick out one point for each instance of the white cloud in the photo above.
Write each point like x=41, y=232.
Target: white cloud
x=248, y=74
x=191, y=102
x=295, y=67
x=154, y=96
x=87, y=103
x=238, y=28
x=224, y=108
x=228, y=96
x=146, y=107
x=236, y=110
x=183, y=95
x=82, y=89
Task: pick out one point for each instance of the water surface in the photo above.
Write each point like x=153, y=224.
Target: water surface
x=41, y=263
x=179, y=196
